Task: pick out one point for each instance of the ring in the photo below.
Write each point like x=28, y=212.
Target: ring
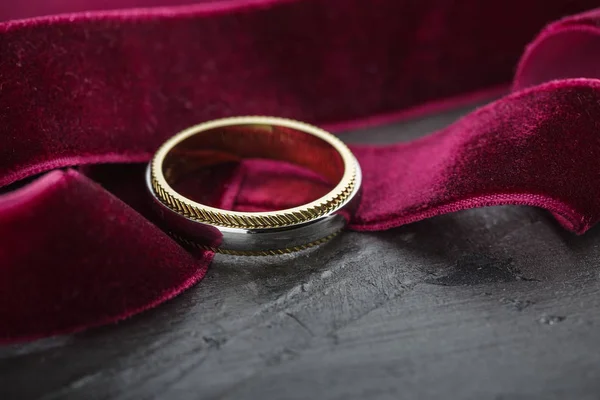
x=254, y=233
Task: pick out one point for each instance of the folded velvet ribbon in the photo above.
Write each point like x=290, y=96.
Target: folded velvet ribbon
x=78, y=247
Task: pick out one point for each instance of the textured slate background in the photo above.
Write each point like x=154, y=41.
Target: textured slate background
x=495, y=303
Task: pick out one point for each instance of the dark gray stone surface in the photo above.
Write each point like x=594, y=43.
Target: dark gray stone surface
x=495, y=303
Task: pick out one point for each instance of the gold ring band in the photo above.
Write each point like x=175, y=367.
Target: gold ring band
x=239, y=138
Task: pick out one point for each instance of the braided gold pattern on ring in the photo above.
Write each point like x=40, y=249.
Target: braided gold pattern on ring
x=327, y=204
x=226, y=219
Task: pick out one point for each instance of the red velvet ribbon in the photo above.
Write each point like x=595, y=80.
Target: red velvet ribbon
x=78, y=247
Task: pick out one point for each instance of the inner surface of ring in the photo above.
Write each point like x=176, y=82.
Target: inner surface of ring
x=252, y=141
